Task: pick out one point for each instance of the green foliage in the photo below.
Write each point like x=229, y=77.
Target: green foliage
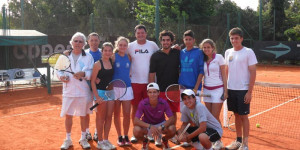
x=118, y=17
x=293, y=34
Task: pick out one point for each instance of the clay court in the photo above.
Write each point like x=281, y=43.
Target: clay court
x=29, y=119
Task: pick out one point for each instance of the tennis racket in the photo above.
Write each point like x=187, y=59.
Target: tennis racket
x=173, y=92
x=60, y=62
x=184, y=130
x=115, y=90
x=231, y=122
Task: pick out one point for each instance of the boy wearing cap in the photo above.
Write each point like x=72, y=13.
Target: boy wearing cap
x=205, y=127
x=153, y=109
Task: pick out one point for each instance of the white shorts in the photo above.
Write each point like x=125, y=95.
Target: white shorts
x=128, y=95
x=215, y=95
x=76, y=106
x=156, y=125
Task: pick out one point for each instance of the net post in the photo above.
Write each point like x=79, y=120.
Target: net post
x=225, y=111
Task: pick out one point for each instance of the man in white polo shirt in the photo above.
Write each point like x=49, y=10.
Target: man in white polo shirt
x=140, y=52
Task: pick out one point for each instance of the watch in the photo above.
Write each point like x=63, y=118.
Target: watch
x=162, y=127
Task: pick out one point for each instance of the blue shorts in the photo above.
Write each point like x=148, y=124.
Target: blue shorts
x=102, y=94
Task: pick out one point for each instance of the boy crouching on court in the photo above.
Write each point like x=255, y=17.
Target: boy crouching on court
x=153, y=122
x=204, y=129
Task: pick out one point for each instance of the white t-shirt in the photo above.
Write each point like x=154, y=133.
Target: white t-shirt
x=200, y=114
x=140, y=60
x=238, y=63
x=212, y=72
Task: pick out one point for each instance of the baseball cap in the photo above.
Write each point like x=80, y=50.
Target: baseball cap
x=152, y=85
x=187, y=92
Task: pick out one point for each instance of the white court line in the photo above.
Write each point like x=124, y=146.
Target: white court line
x=274, y=107
x=22, y=103
x=176, y=146
x=271, y=108
x=27, y=113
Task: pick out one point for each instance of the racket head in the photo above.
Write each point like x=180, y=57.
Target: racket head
x=173, y=92
x=116, y=89
x=231, y=123
x=59, y=61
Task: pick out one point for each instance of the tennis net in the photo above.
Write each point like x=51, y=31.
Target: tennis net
x=275, y=107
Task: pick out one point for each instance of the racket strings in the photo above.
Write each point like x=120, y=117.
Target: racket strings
x=59, y=61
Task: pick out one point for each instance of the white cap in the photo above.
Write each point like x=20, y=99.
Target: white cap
x=152, y=85
x=188, y=92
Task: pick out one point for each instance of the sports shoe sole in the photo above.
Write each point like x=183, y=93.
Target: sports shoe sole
x=67, y=148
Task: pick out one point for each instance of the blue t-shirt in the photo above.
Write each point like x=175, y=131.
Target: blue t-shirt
x=191, y=65
x=96, y=55
x=122, y=68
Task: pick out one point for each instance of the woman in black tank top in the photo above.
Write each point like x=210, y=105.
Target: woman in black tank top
x=103, y=70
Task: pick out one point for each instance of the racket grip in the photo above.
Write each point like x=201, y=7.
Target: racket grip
x=94, y=106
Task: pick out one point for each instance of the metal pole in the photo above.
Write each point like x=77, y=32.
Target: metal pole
x=48, y=79
x=4, y=17
x=228, y=28
x=260, y=20
x=157, y=20
x=239, y=19
x=22, y=13
x=7, y=65
x=208, y=31
x=274, y=31
x=92, y=22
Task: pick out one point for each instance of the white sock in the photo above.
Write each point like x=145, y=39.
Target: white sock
x=68, y=136
x=96, y=130
x=87, y=130
x=83, y=135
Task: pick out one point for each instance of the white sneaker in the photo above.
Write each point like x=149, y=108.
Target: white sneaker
x=85, y=144
x=101, y=145
x=197, y=146
x=174, y=140
x=66, y=144
x=150, y=138
x=88, y=136
x=217, y=145
x=158, y=141
x=133, y=139
x=243, y=147
x=109, y=145
x=186, y=144
x=95, y=138
x=234, y=145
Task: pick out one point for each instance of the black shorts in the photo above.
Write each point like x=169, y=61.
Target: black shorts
x=235, y=102
x=212, y=133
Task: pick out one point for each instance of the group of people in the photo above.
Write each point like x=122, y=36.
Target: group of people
x=147, y=72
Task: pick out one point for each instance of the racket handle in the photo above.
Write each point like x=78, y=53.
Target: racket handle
x=94, y=106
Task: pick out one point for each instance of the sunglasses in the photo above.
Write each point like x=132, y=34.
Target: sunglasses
x=77, y=41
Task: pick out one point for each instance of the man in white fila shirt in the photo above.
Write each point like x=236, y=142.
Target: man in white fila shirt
x=140, y=52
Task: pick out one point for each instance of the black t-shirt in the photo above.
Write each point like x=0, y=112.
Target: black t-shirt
x=105, y=76
x=166, y=67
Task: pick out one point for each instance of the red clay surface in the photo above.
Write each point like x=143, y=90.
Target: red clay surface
x=29, y=119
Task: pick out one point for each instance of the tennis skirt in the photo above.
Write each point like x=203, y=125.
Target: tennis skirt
x=76, y=106
x=215, y=95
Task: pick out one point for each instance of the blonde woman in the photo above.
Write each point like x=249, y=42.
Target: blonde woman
x=122, y=63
